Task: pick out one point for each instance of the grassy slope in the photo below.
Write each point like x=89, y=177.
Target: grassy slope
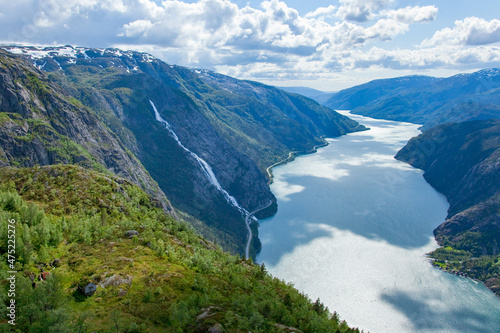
x=163, y=279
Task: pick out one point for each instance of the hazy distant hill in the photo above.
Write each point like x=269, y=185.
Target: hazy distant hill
x=425, y=100
x=318, y=95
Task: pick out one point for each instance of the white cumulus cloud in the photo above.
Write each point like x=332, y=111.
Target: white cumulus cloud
x=136, y=28
x=470, y=31
x=271, y=41
x=412, y=14
x=360, y=10
x=323, y=12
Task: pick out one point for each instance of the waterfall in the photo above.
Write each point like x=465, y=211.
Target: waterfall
x=207, y=170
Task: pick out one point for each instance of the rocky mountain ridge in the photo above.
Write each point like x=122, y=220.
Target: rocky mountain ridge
x=238, y=127
x=43, y=125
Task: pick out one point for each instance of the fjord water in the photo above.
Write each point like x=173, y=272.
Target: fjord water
x=353, y=227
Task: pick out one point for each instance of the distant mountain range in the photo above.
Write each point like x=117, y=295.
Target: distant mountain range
x=425, y=100
x=204, y=138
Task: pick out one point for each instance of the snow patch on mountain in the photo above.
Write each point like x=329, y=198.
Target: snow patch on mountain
x=73, y=53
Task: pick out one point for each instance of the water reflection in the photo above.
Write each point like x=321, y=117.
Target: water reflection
x=353, y=227
x=426, y=315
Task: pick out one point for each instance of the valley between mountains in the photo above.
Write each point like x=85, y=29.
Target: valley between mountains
x=113, y=165
x=139, y=177
x=237, y=128
x=459, y=151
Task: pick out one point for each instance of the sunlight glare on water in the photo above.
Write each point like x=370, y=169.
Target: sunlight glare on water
x=353, y=227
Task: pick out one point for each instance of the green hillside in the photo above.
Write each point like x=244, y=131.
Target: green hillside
x=72, y=223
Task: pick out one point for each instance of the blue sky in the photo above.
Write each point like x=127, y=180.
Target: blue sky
x=324, y=44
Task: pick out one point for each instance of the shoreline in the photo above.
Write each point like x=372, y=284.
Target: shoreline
x=316, y=249
x=457, y=272
x=250, y=234
x=291, y=157
x=293, y=154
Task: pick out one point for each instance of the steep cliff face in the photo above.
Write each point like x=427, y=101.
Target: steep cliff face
x=248, y=114
x=262, y=121
x=237, y=127
x=51, y=125
x=43, y=125
x=462, y=161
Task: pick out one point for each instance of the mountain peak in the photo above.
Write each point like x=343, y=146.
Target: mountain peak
x=483, y=73
x=488, y=72
x=67, y=55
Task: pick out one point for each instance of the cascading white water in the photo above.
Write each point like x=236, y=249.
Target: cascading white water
x=207, y=170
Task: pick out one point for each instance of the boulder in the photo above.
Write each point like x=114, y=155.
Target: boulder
x=217, y=328
x=116, y=280
x=131, y=233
